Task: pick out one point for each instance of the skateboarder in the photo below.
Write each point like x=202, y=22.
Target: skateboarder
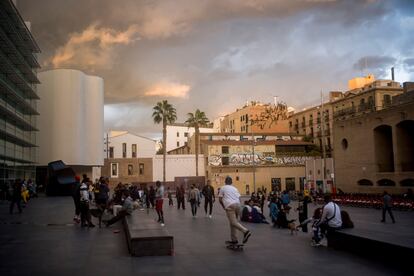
x=229, y=198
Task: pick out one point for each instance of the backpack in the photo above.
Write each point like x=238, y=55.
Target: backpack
x=346, y=220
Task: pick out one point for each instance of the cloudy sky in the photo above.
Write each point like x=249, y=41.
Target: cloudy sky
x=217, y=54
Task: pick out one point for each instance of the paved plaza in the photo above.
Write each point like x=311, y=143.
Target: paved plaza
x=43, y=241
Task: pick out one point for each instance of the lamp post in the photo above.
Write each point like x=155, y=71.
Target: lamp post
x=323, y=145
x=254, y=163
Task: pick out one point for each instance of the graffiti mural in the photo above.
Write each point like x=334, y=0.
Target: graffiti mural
x=246, y=159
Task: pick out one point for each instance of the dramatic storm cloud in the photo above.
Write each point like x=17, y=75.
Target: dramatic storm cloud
x=217, y=54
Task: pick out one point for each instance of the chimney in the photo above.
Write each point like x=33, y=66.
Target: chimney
x=392, y=73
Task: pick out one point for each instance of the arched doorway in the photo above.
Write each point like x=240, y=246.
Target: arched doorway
x=384, y=154
x=405, y=145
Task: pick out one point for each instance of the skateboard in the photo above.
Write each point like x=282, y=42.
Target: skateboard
x=234, y=246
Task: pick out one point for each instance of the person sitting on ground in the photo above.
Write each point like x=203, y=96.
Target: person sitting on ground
x=127, y=209
x=282, y=220
x=252, y=213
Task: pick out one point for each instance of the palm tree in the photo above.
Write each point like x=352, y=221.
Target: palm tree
x=197, y=120
x=165, y=113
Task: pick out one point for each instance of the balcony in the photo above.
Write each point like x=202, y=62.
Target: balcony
x=345, y=112
x=366, y=107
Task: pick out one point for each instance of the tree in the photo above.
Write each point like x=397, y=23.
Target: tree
x=165, y=113
x=197, y=119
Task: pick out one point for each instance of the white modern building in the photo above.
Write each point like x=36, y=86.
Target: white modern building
x=123, y=144
x=182, y=165
x=71, y=120
x=178, y=134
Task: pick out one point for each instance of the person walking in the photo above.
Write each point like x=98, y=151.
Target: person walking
x=209, y=198
x=303, y=210
x=76, y=199
x=169, y=195
x=16, y=196
x=229, y=198
x=387, y=206
x=180, y=194
x=194, y=199
x=159, y=200
x=85, y=197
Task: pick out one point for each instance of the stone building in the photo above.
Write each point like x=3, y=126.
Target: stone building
x=374, y=140
x=311, y=124
x=267, y=161
x=256, y=117
x=129, y=158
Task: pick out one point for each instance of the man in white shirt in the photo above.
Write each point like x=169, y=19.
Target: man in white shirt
x=229, y=198
x=331, y=216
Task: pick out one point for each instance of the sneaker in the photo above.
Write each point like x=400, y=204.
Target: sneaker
x=246, y=236
x=316, y=244
x=91, y=225
x=209, y=216
x=232, y=242
x=162, y=224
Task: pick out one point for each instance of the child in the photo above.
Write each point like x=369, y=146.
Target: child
x=317, y=236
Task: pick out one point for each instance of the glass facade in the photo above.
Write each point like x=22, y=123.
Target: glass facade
x=18, y=97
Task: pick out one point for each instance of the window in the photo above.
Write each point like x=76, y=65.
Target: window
x=111, y=152
x=409, y=182
x=225, y=149
x=178, y=144
x=134, y=150
x=225, y=161
x=344, y=144
x=185, y=134
x=365, y=182
x=385, y=182
x=130, y=169
x=114, y=169
x=290, y=183
x=237, y=178
x=141, y=168
x=124, y=150
x=178, y=134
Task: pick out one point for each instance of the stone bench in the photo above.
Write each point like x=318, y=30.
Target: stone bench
x=379, y=245
x=146, y=237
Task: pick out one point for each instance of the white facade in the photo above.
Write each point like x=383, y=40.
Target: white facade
x=177, y=166
x=120, y=141
x=314, y=174
x=71, y=118
x=177, y=135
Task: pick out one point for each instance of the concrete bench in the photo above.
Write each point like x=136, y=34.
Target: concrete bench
x=379, y=245
x=146, y=237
